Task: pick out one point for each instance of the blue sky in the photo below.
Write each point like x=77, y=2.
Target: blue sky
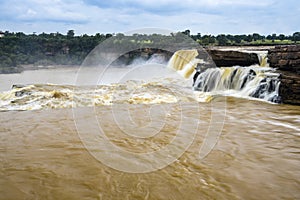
x=114, y=16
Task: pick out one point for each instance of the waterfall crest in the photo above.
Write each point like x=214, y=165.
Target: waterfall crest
x=184, y=62
x=254, y=81
x=263, y=58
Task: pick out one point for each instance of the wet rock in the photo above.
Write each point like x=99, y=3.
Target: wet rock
x=289, y=89
x=251, y=75
x=22, y=93
x=287, y=60
x=221, y=58
x=17, y=86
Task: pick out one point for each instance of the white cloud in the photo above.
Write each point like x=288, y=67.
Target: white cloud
x=181, y=3
x=35, y=10
x=30, y=13
x=205, y=16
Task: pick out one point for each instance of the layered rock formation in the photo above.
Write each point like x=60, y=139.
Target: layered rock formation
x=287, y=60
x=231, y=58
x=220, y=58
x=289, y=89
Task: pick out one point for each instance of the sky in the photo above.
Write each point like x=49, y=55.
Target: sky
x=120, y=16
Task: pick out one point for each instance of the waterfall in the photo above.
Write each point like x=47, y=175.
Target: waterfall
x=184, y=62
x=253, y=81
x=256, y=81
x=263, y=58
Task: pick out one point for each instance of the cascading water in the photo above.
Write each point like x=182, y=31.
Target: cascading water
x=257, y=81
x=184, y=62
x=253, y=81
x=263, y=58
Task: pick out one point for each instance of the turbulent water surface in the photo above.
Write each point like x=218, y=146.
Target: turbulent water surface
x=43, y=156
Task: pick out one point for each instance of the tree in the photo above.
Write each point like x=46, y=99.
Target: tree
x=296, y=36
x=187, y=32
x=256, y=36
x=273, y=37
x=222, y=40
x=212, y=39
x=20, y=34
x=248, y=38
x=281, y=37
x=120, y=35
x=108, y=35
x=237, y=39
x=70, y=33
x=205, y=40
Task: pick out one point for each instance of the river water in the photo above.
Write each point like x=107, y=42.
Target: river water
x=51, y=151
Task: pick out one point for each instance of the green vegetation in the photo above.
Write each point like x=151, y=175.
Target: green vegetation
x=252, y=39
x=18, y=49
x=54, y=48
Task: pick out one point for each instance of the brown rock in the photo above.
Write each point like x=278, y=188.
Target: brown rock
x=289, y=89
x=285, y=58
x=283, y=62
x=294, y=48
x=273, y=59
x=293, y=56
x=231, y=58
x=295, y=63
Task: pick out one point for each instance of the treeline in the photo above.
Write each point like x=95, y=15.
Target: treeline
x=18, y=49
x=254, y=39
x=46, y=49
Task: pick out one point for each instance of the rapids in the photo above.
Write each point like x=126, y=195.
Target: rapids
x=257, y=155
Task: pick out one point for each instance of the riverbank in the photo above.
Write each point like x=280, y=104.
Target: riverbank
x=286, y=59
x=39, y=67
x=141, y=53
x=22, y=68
x=242, y=48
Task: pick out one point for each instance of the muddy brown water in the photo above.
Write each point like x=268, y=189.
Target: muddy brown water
x=44, y=156
x=257, y=155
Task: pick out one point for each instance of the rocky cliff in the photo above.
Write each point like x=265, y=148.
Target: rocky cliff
x=230, y=58
x=220, y=58
x=287, y=60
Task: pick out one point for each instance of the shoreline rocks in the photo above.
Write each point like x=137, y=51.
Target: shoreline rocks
x=289, y=89
x=285, y=58
x=287, y=61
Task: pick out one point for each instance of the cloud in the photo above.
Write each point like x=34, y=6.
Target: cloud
x=177, y=3
x=46, y=10
x=205, y=16
x=173, y=7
